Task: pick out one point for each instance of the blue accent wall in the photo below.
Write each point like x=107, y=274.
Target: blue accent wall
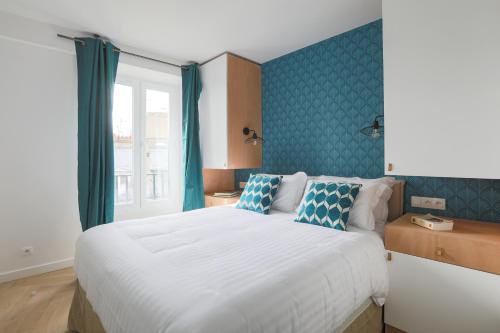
x=315, y=101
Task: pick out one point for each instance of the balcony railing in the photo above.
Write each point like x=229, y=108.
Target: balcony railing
x=156, y=186
x=123, y=187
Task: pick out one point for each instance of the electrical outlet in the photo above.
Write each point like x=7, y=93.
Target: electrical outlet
x=27, y=250
x=430, y=203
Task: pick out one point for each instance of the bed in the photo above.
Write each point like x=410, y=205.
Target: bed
x=223, y=269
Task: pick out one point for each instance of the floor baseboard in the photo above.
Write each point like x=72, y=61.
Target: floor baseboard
x=35, y=270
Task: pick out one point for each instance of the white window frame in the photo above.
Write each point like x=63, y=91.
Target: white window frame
x=140, y=81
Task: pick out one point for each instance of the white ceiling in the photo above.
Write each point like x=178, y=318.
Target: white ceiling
x=196, y=30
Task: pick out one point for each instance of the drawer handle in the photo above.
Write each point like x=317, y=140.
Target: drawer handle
x=439, y=251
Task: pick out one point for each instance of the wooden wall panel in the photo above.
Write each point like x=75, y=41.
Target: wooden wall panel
x=218, y=180
x=244, y=110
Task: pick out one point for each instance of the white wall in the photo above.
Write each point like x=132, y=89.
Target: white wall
x=38, y=145
x=442, y=87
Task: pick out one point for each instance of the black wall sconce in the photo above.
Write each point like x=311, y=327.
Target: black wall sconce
x=254, y=139
x=375, y=130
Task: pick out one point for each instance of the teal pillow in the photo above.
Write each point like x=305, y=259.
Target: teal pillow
x=327, y=204
x=259, y=193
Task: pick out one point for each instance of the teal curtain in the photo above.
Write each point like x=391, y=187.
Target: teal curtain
x=97, y=64
x=194, y=197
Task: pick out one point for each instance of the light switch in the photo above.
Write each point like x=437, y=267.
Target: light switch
x=430, y=203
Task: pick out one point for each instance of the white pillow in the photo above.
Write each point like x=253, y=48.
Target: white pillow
x=290, y=192
x=371, y=204
x=310, y=179
x=382, y=209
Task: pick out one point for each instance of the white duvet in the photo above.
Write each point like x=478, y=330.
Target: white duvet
x=224, y=269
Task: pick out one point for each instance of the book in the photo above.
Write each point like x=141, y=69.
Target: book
x=432, y=222
x=226, y=194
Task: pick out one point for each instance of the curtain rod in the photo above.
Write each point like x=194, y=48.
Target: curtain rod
x=124, y=52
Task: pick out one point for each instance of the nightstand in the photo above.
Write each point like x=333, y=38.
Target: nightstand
x=443, y=281
x=211, y=201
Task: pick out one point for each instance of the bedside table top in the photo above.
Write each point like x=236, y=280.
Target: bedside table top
x=471, y=244
x=484, y=231
x=212, y=196
x=211, y=201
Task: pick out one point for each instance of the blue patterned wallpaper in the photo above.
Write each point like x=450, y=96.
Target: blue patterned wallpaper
x=315, y=101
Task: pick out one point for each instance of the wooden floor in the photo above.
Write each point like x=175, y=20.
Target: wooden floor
x=37, y=304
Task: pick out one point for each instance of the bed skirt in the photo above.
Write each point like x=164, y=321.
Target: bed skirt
x=83, y=319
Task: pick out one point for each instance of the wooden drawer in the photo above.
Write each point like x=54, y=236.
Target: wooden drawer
x=473, y=250
x=471, y=244
x=211, y=201
x=412, y=241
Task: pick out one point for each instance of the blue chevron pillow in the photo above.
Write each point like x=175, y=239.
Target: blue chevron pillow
x=328, y=204
x=259, y=193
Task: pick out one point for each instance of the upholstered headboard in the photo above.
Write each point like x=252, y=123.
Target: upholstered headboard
x=396, y=201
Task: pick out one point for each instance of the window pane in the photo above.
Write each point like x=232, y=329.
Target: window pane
x=156, y=144
x=123, y=144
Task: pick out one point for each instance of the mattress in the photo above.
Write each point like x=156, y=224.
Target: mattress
x=224, y=269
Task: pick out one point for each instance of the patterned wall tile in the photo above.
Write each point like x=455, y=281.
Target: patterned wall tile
x=315, y=101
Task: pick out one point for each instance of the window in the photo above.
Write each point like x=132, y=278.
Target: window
x=156, y=144
x=146, y=135
x=123, y=145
